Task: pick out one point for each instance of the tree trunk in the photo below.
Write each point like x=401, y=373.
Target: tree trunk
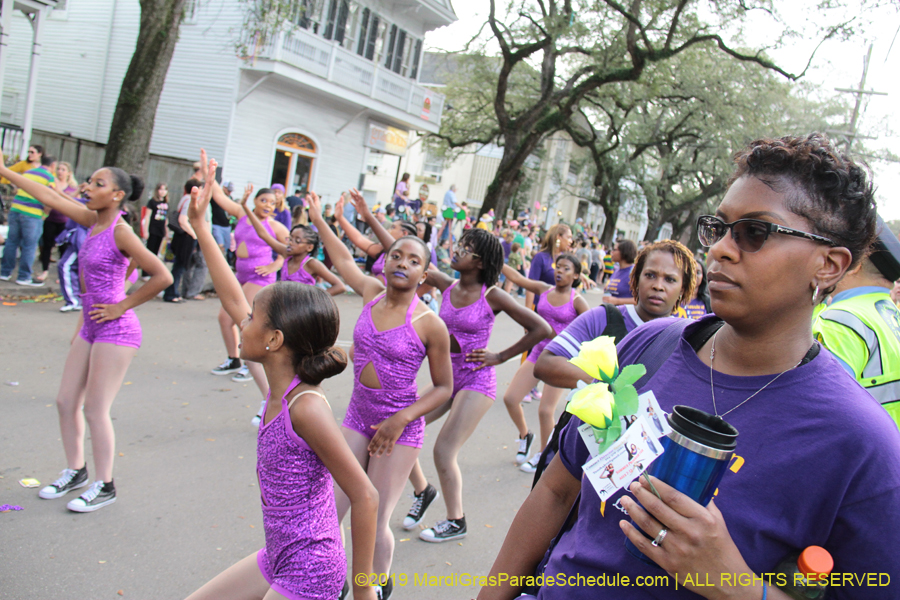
x=132, y=126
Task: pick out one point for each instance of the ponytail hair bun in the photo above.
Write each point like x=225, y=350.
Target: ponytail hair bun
x=132, y=185
x=314, y=368
x=137, y=188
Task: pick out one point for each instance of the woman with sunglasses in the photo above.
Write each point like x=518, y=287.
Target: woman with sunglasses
x=796, y=216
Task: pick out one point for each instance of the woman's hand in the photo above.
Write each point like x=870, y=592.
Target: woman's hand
x=267, y=269
x=315, y=208
x=360, y=203
x=487, y=359
x=101, y=313
x=697, y=540
x=387, y=434
x=248, y=189
x=339, y=208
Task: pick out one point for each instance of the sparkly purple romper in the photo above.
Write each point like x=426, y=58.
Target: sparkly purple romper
x=102, y=268
x=258, y=253
x=301, y=275
x=558, y=317
x=397, y=355
x=303, y=558
x=471, y=326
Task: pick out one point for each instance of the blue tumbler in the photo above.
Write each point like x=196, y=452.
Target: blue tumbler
x=695, y=456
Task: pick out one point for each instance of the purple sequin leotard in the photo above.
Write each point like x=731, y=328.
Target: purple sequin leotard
x=558, y=317
x=303, y=558
x=471, y=326
x=102, y=268
x=397, y=355
x=301, y=275
x=258, y=253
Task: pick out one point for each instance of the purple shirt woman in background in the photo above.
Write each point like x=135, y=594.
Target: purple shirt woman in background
x=617, y=290
x=282, y=210
x=800, y=480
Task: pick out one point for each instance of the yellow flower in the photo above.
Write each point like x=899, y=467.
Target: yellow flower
x=593, y=404
x=598, y=358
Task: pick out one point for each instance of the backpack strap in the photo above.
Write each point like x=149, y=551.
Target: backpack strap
x=615, y=323
x=659, y=350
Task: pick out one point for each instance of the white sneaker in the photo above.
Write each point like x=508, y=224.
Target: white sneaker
x=93, y=499
x=257, y=419
x=531, y=465
x=243, y=375
x=524, y=448
x=69, y=308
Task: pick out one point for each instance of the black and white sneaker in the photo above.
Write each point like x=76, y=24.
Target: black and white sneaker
x=69, y=479
x=242, y=375
x=530, y=466
x=524, y=448
x=421, y=503
x=97, y=496
x=444, y=531
x=384, y=592
x=30, y=282
x=232, y=365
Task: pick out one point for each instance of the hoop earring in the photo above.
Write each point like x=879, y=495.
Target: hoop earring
x=815, y=295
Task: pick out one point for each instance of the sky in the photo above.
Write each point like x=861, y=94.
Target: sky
x=837, y=64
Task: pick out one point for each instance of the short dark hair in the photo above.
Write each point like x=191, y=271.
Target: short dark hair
x=309, y=321
x=627, y=250
x=191, y=184
x=820, y=183
x=46, y=160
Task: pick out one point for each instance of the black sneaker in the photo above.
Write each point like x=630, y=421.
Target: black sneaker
x=421, y=503
x=444, y=531
x=524, y=448
x=345, y=590
x=384, y=592
x=232, y=365
x=69, y=479
x=97, y=496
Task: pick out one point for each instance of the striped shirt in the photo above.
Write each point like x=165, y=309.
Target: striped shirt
x=24, y=202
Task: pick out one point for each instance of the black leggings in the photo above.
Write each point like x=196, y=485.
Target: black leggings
x=48, y=240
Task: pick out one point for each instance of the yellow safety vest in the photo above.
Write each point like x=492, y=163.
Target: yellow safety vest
x=864, y=332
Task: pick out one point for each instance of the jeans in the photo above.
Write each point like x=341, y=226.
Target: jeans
x=24, y=233
x=222, y=235
x=194, y=274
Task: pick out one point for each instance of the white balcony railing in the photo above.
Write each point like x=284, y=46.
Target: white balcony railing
x=313, y=54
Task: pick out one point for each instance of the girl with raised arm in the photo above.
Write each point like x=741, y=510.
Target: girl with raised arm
x=111, y=334
x=290, y=330
x=386, y=237
x=468, y=308
x=302, y=245
x=254, y=268
x=559, y=304
x=385, y=424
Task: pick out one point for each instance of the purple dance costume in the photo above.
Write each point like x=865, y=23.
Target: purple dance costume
x=471, y=326
x=303, y=558
x=558, y=317
x=258, y=253
x=102, y=268
x=301, y=275
x=397, y=355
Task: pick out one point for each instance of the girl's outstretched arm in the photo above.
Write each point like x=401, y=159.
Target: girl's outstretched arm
x=51, y=198
x=313, y=421
x=437, y=278
x=261, y=231
x=536, y=329
x=340, y=256
x=373, y=249
x=532, y=285
x=362, y=209
x=317, y=269
x=227, y=287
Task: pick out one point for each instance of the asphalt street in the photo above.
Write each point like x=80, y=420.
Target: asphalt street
x=188, y=504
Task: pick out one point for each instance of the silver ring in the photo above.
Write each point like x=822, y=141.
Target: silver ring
x=659, y=538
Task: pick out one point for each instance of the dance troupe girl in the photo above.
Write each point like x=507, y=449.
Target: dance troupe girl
x=111, y=333
x=255, y=269
x=468, y=308
x=290, y=330
x=559, y=305
x=302, y=245
x=385, y=424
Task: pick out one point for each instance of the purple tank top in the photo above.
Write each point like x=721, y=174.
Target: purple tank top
x=470, y=325
x=102, y=267
x=301, y=275
x=558, y=317
x=258, y=251
x=397, y=353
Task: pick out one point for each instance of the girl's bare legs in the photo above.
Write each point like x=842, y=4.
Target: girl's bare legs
x=388, y=474
x=108, y=366
x=241, y=581
x=467, y=411
x=546, y=412
x=417, y=476
x=230, y=333
x=520, y=386
x=256, y=369
x=70, y=399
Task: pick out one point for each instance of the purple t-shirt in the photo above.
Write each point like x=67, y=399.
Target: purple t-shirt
x=618, y=285
x=695, y=309
x=542, y=268
x=283, y=217
x=588, y=326
x=819, y=465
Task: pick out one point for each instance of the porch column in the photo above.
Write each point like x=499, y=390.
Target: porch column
x=37, y=23
x=6, y=11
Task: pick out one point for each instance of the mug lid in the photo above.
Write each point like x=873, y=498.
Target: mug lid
x=702, y=427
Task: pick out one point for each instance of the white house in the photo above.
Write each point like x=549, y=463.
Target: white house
x=300, y=110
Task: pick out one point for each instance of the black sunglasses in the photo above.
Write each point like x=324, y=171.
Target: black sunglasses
x=749, y=234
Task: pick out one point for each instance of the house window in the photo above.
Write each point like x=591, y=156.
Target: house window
x=434, y=164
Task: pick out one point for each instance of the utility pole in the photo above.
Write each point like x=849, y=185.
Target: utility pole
x=851, y=135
